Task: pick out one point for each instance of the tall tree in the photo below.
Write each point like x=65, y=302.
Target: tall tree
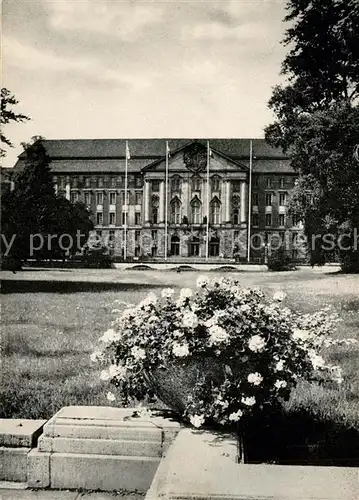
x=8, y=115
x=317, y=114
x=40, y=223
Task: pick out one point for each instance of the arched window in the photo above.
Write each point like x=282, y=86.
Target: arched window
x=154, y=209
x=175, y=211
x=215, y=216
x=196, y=183
x=193, y=248
x=175, y=245
x=196, y=211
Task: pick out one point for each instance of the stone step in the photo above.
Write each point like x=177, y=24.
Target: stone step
x=91, y=472
x=20, y=432
x=13, y=464
x=152, y=434
x=100, y=446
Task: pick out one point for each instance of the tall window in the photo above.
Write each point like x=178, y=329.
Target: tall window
x=196, y=183
x=269, y=182
x=215, y=212
x=268, y=219
x=214, y=247
x=255, y=181
x=236, y=210
x=175, y=245
x=112, y=218
x=137, y=218
x=254, y=198
x=281, y=220
x=99, y=198
x=175, y=211
x=112, y=198
x=138, y=181
x=87, y=182
x=283, y=198
x=282, y=182
x=194, y=244
x=113, y=181
x=74, y=196
x=196, y=210
x=255, y=219
x=155, y=186
x=175, y=183
x=154, y=209
x=99, y=218
x=269, y=199
x=215, y=183
x=88, y=199
x=125, y=199
x=100, y=182
x=138, y=198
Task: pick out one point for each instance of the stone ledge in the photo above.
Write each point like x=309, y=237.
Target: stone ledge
x=20, y=432
x=202, y=465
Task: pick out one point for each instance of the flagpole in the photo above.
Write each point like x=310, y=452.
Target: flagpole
x=166, y=201
x=126, y=205
x=250, y=201
x=207, y=228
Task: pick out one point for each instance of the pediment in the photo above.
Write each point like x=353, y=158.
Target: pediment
x=191, y=159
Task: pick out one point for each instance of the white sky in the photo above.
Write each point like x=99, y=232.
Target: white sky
x=120, y=68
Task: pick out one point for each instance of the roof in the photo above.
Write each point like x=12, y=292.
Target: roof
x=108, y=155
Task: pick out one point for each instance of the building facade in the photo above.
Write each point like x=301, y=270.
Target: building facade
x=179, y=210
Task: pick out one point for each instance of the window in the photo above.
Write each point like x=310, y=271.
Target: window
x=88, y=199
x=125, y=198
x=112, y=198
x=137, y=235
x=281, y=219
x=268, y=219
x=111, y=239
x=215, y=184
x=175, y=183
x=196, y=211
x=138, y=181
x=154, y=234
x=124, y=218
x=100, y=182
x=269, y=197
x=138, y=198
x=255, y=181
x=214, y=247
x=235, y=216
x=283, y=198
x=175, y=211
x=113, y=181
x=155, y=186
x=282, y=182
x=236, y=185
x=193, y=248
x=154, y=215
x=175, y=245
x=255, y=219
x=99, y=198
x=112, y=218
x=215, y=212
x=296, y=220
x=137, y=218
x=269, y=182
x=75, y=182
x=62, y=182
x=196, y=183
x=74, y=197
x=254, y=198
x=99, y=218
x=87, y=182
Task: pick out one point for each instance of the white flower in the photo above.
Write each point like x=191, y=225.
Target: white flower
x=234, y=417
x=217, y=334
x=299, y=334
x=256, y=343
x=95, y=356
x=280, y=365
x=180, y=350
x=167, y=293
x=104, y=375
x=110, y=336
x=280, y=384
x=143, y=412
x=117, y=371
x=202, y=281
x=317, y=361
x=249, y=401
x=189, y=319
x=196, y=420
x=245, y=308
x=279, y=296
x=138, y=353
x=255, y=378
x=185, y=293
x=110, y=396
x=147, y=301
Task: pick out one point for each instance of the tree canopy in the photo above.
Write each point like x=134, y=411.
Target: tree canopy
x=317, y=114
x=8, y=100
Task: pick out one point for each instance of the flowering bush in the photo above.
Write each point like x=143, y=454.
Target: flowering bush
x=259, y=349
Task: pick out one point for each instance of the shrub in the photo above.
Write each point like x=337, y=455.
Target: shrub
x=279, y=260
x=243, y=352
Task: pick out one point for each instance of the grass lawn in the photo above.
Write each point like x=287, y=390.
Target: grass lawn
x=47, y=336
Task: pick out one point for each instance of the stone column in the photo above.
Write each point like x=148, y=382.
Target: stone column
x=228, y=202
x=244, y=201
x=162, y=202
x=146, y=201
x=67, y=191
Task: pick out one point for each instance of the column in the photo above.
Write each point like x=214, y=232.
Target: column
x=67, y=191
x=228, y=201
x=146, y=201
x=244, y=201
x=162, y=202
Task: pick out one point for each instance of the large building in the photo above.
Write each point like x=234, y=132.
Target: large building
x=94, y=171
